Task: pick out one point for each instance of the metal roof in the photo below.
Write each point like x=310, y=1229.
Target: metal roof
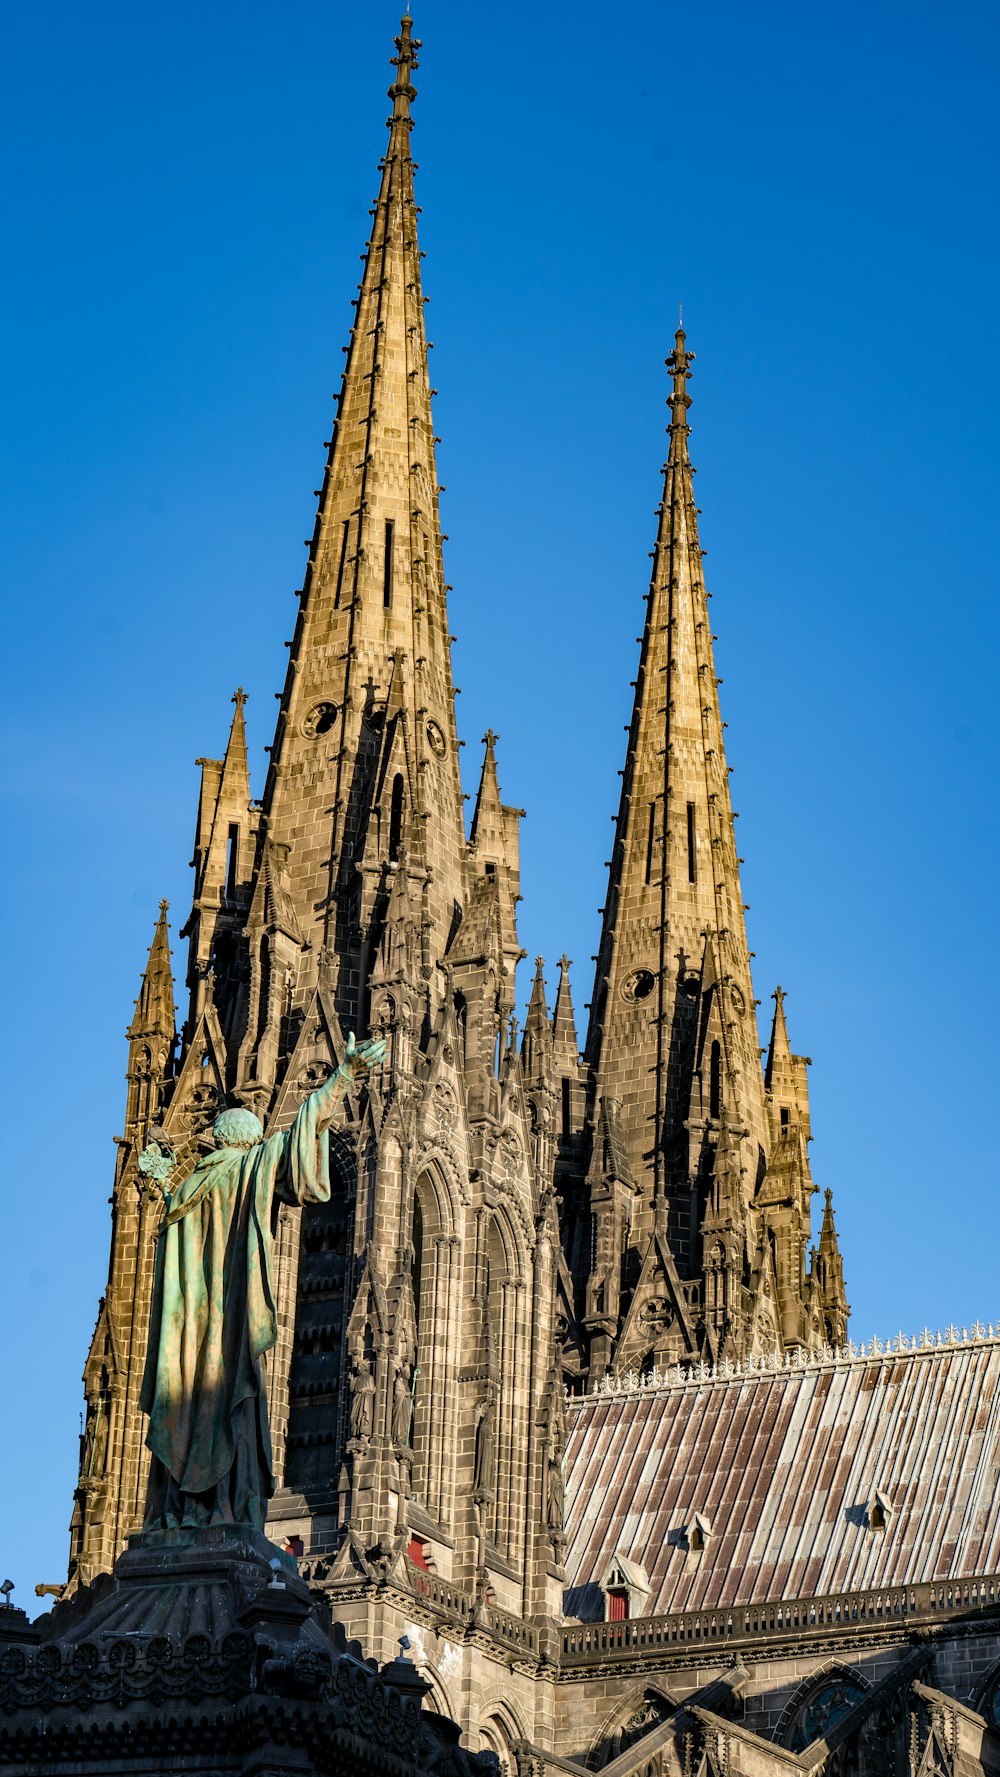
x=784, y=1462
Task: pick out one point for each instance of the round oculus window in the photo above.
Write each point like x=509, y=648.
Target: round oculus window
x=639, y=985
x=319, y=720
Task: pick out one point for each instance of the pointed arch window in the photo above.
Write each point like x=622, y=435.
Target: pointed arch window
x=232, y=860
x=264, y=991
x=390, y=535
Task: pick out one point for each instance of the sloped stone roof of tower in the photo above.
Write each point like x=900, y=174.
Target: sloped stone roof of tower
x=783, y=1464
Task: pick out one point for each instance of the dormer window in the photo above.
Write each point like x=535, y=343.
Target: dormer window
x=626, y=1589
x=879, y=1510
x=697, y=1532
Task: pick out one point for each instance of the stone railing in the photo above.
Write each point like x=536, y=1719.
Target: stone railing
x=512, y=1630
x=885, y=1606
x=440, y=1593
x=776, y=1363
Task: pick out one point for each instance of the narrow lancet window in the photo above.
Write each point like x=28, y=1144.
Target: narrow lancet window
x=395, y=817
x=715, y=1082
x=650, y=841
x=692, y=852
x=390, y=530
x=232, y=861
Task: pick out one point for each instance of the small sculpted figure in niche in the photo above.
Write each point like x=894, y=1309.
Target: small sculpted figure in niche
x=555, y=1502
x=362, y=1401
x=213, y=1317
x=402, y=1407
x=484, y=1473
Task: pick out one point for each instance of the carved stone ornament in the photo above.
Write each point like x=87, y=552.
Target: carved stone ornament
x=445, y=1107
x=510, y=1153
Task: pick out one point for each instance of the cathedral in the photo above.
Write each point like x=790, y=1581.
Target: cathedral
x=563, y=1396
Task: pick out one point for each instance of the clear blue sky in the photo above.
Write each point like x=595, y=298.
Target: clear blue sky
x=186, y=200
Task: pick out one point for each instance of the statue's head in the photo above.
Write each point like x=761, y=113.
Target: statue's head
x=238, y=1128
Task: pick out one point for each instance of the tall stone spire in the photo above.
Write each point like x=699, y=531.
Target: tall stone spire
x=672, y=1034
x=365, y=752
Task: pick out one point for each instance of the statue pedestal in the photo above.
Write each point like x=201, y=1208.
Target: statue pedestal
x=204, y=1648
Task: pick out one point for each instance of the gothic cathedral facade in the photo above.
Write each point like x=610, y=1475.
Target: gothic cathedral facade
x=523, y=1237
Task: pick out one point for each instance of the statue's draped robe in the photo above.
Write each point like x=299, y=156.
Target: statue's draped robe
x=213, y=1318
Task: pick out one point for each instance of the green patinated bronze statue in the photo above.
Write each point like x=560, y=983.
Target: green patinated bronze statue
x=213, y=1312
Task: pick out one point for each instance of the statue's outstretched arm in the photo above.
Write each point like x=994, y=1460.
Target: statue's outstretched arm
x=358, y=1058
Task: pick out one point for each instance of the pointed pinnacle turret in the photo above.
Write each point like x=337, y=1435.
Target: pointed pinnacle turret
x=154, y=1009
x=536, y=1045
x=786, y=1076
x=828, y=1273
x=487, y=820
x=564, y=1039
x=373, y=607
x=235, y=768
x=779, y=1052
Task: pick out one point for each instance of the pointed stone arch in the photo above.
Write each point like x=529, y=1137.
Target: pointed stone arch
x=829, y=1687
x=307, y=1382
x=501, y=1728
x=644, y=1709
x=505, y=1342
x=435, y=1277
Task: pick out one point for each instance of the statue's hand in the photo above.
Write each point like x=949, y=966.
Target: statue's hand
x=359, y=1057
